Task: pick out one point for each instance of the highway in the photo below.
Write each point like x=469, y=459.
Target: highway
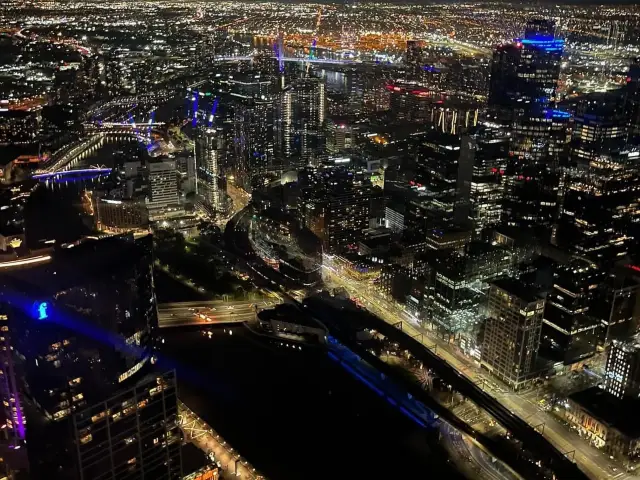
x=591, y=461
x=209, y=313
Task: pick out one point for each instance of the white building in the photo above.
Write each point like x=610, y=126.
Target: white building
x=163, y=187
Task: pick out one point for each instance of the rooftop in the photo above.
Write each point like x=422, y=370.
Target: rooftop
x=523, y=291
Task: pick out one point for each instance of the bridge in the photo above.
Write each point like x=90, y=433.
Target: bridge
x=296, y=59
x=217, y=312
x=72, y=174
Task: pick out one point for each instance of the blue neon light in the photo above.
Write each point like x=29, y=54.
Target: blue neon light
x=553, y=113
x=41, y=310
x=548, y=44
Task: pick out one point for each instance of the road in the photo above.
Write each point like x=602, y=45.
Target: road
x=590, y=460
x=480, y=462
x=206, y=439
x=209, y=313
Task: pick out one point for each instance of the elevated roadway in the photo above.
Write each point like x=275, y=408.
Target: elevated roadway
x=211, y=313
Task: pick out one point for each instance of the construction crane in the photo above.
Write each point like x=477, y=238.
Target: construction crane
x=315, y=39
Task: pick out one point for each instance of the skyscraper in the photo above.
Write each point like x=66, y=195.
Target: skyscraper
x=571, y=331
x=523, y=95
x=209, y=152
x=603, y=189
x=163, y=185
x=490, y=157
x=310, y=108
x=622, y=371
x=85, y=328
x=512, y=332
x=336, y=206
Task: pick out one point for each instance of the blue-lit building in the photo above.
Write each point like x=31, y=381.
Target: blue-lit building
x=83, y=331
x=523, y=97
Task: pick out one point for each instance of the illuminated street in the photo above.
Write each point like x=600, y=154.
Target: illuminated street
x=209, y=313
x=594, y=463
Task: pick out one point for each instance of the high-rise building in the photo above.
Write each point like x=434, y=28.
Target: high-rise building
x=571, y=331
x=617, y=305
x=622, y=371
x=437, y=172
x=310, y=115
x=512, y=332
x=83, y=332
x=490, y=147
x=284, y=127
x=209, y=152
x=336, y=206
x=523, y=95
x=602, y=191
x=163, y=184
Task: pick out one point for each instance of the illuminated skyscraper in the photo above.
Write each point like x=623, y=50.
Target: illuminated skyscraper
x=336, y=206
x=512, y=332
x=209, y=153
x=523, y=95
x=602, y=191
x=253, y=128
x=85, y=328
x=622, y=372
x=571, y=331
x=310, y=108
x=490, y=157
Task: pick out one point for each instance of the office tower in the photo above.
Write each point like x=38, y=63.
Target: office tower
x=622, y=371
x=616, y=305
x=310, y=114
x=209, y=152
x=524, y=75
x=490, y=148
x=336, y=206
x=339, y=135
x=85, y=328
x=452, y=306
x=523, y=95
x=444, y=172
x=571, y=331
x=503, y=91
x=603, y=189
x=512, y=332
x=163, y=184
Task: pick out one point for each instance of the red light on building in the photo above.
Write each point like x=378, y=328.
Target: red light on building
x=633, y=267
x=494, y=170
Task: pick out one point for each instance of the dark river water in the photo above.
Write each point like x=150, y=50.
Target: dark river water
x=296, y=414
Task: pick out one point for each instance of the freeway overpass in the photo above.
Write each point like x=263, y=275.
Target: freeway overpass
x=187, y=314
